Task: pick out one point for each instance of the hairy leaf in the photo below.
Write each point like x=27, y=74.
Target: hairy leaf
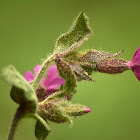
x=21, y=91
x=42, y=129
x=41, y=132
x=75, y=37
x=13, y=77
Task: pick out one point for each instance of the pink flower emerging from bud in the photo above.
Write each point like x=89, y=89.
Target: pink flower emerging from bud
x=50, y=83
x=86, y=109
x=134, y=64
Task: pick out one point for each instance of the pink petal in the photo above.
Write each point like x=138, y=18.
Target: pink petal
x=52, y=74
x=52, y=80
x=29, y=76
x=86, y=109
x=136, y=57
x=57, y=82
x=36, y=69
x=136, y=71
x=137, y=51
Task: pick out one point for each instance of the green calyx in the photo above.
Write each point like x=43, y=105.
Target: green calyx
x=50, y=110
x=93, y=60
x=60, y=110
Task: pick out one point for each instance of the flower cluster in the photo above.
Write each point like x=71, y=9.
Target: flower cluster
x=52, y=109
x=46, y=95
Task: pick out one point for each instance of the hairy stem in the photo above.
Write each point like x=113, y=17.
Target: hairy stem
x=42, y=71
x=18, y=115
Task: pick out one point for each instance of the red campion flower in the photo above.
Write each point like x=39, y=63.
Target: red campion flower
x=134, y=64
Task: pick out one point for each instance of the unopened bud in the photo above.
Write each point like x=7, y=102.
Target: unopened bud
x=112, y=66
x=86, y=109
x=53, y=112
x=76, y=110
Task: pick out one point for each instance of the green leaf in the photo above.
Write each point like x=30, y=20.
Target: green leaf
x=21, y=92
x=17, y=94
x=13, y=77
x=40, y=131
x=75, y=37
x=66, y=72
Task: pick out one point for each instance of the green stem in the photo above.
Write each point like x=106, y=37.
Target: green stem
x=42, y=71
x=18, y=115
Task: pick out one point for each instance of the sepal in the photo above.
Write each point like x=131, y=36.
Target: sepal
x=76, y=110
x=66, y=72
x=94, y=56
x=79, y=72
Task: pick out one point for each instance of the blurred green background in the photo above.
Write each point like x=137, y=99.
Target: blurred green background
x=28, y=30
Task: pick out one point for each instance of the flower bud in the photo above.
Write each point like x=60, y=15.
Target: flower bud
x=86, y=109
x=76, y=110
x=112, y=66
x=52, y=111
